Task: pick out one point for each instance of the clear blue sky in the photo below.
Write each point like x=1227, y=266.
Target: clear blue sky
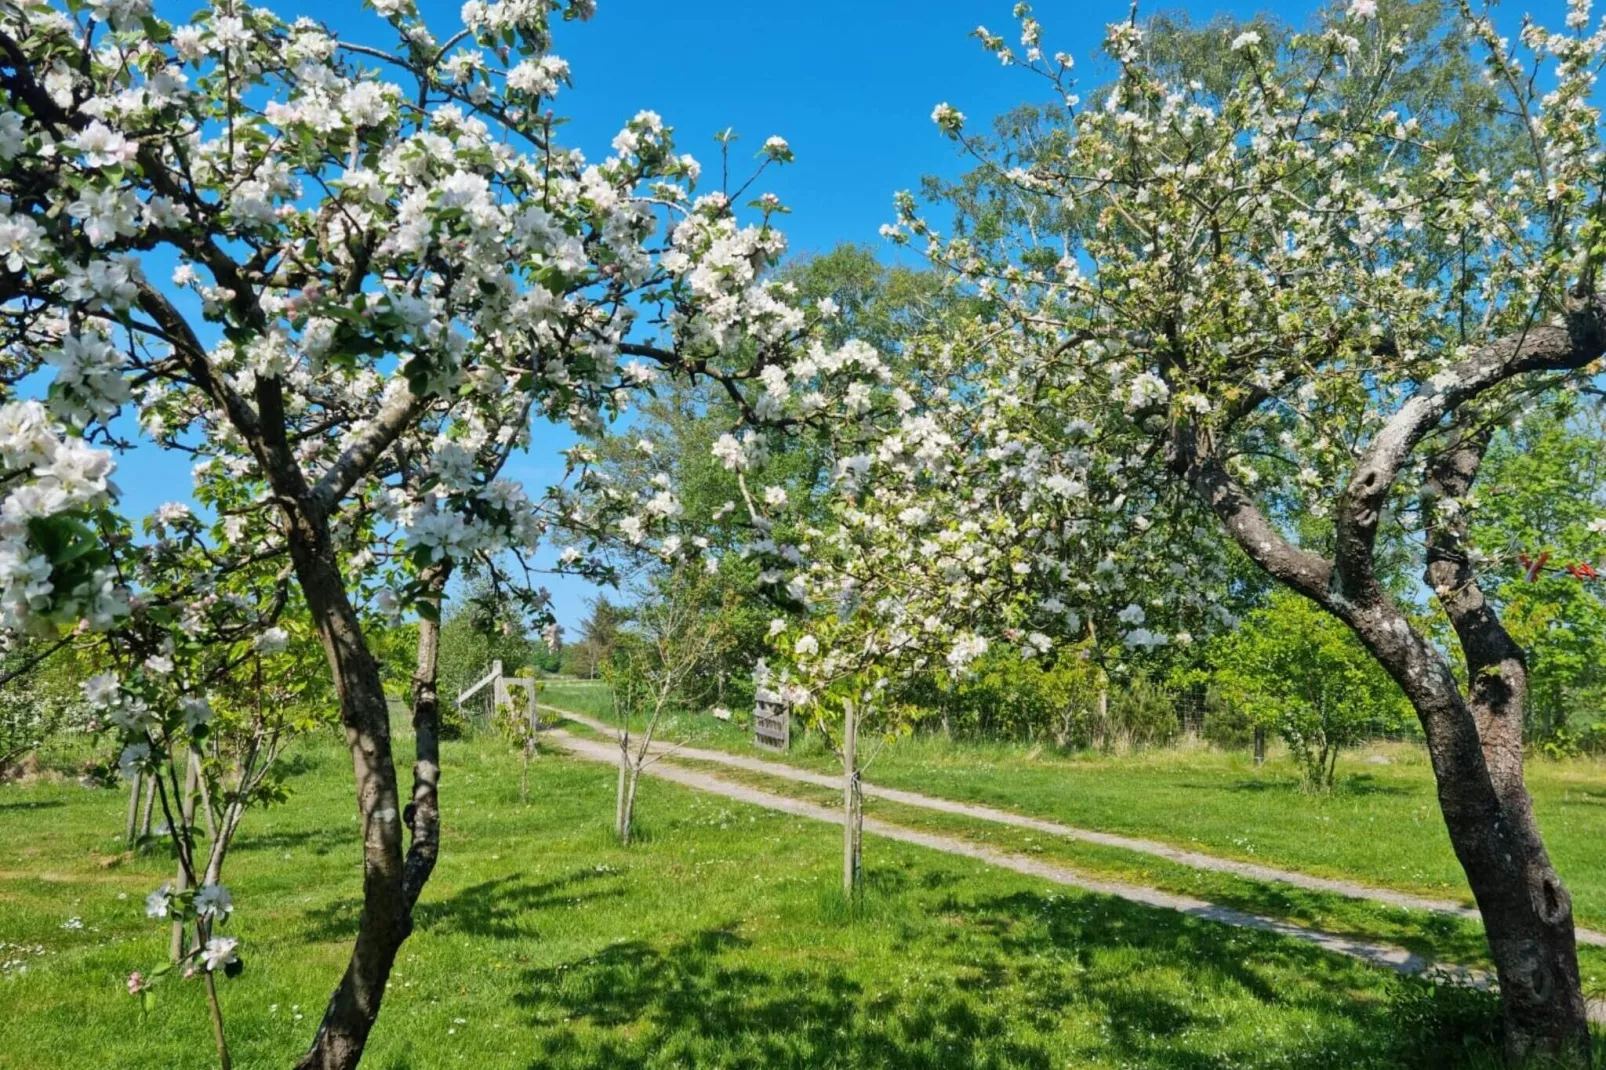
x=850, y=85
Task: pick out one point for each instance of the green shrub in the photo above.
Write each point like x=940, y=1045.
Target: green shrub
x=1292, y=667
x=1016, y=697
x=1142, y=713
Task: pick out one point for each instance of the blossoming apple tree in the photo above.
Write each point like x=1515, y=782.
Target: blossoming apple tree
x=361, y=247
x=1306, y=293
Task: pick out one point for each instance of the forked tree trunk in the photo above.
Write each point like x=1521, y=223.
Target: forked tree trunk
x=1474, y=740
x=1526, y=909
x=386, y=917
x=1476, y=753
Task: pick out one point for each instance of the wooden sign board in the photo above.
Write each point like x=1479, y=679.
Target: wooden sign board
x=772, y=722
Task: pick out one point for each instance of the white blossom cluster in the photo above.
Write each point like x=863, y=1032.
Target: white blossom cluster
x=385, y=265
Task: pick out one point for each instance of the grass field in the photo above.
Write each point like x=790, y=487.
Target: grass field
x=720, y=940
x=1382, y=824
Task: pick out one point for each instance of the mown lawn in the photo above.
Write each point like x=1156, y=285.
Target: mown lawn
x=1382, y=825
x=718, y=941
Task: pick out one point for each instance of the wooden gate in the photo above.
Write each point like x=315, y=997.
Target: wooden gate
x=502, y=695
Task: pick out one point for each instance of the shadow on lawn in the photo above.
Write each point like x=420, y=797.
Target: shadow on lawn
x=1024, y=980
x=496, y=908
x=1117, y=948
x=699, y=1003
x=37, y=804
x=1362, y=784
x=1443, y=937
x=319, y=841
x=502, y=908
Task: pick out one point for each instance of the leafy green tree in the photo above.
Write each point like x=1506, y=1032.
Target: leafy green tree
x=598, y=635
x=1296, y=669
x=1012, y=696
x=876, y=303
x=39, y=699
x=1534, y=527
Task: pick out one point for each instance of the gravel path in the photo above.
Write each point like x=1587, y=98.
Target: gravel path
x=1182, y=856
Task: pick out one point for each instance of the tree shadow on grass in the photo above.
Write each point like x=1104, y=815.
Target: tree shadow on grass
x=1442, y=937
x=1369, y=784
x=502, y=908
x=36, y=804
x=319, y=841
x=1023, y=980
x=1362, y=784
x=1150, y=975
x=704, y=1002
x=499, y=908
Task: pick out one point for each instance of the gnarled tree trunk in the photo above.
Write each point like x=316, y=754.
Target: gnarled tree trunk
x=1527, y=912
x=1475, y=747
x=1474, y=739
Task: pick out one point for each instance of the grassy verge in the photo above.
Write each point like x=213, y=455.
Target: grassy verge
x=717, y=941
x=1382, y=825
x=1442, y=937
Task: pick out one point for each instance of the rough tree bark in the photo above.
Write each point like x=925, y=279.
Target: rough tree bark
x=423, y=813
x=1526, y=909
x=1474, y=740
x=386, y=918
x=391, y=884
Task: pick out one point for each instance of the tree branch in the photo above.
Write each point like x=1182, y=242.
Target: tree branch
x=395, y=417
x=1575, y=344
x=1497, y=671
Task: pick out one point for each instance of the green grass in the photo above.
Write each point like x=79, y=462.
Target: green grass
x=1381, y=825
x=1445, y=938
x=720, y=940
x=681, y=726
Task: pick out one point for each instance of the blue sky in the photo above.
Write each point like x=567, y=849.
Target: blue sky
x=850, y=85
